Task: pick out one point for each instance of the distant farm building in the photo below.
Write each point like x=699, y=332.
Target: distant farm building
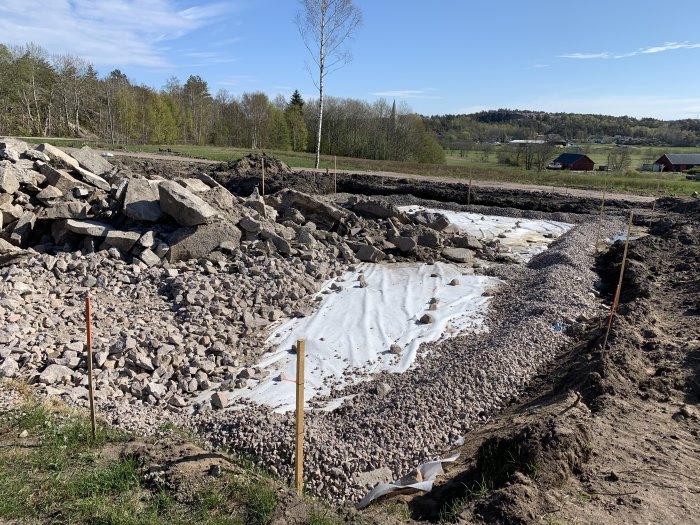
x=572, y=161
x=679, y=161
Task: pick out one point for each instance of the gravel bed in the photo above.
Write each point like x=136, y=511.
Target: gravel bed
x=459, y=384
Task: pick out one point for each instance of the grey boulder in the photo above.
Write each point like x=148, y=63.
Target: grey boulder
x=184, y=206
x=92, y=161
x=404, y=244
x=459, y=255
x=195, y=243
x=8, y=180
x=141, y=201
x=54, y=374
x=369, y=253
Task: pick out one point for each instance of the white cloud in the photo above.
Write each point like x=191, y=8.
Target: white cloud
x=408, y=93
x=585, y=56
x=668, y=46
x=113, y=33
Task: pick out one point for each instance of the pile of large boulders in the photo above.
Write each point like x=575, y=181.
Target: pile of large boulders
x=50, y=200
x=206, y=271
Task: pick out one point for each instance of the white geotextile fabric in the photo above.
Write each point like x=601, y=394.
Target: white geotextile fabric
x=525, y=237
x=348, y=337
x=429, y=471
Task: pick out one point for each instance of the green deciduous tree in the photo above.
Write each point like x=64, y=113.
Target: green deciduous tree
x=256, y=108
x=197, y=105
x=619, y=159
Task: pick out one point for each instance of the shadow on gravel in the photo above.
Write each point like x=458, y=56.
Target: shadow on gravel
x=692, y=386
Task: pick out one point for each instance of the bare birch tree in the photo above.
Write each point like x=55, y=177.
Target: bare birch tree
x=324, y=26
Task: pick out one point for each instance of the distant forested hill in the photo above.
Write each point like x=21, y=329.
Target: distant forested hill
x=460, y=131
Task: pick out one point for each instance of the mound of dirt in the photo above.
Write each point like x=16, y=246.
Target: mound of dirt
x=688, y=206
x=253, y=164
x=244, y=175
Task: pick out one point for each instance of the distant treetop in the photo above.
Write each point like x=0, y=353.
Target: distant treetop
x=296, y=99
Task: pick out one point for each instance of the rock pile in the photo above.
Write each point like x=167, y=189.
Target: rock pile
x=186, y=275
x=51, y=200
x=163, y=335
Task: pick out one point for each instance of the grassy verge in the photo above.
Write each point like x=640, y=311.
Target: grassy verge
x=53, y=471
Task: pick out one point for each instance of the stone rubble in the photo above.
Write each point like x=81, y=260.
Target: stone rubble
x=186, y=278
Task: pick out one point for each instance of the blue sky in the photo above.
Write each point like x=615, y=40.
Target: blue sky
x=619, y=57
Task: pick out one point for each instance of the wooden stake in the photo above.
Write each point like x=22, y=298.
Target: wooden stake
x=91, y=392
x=600, y=220
x=619, y=286
x=263, y=176
x=335, y=174
x=299, y=460
x=469, y=194
x=653, y=206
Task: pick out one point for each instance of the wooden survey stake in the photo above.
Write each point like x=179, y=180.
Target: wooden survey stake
x=263, y=175
x=618, y=289
x=469, y=194
x=91, y=393
x=299, y=460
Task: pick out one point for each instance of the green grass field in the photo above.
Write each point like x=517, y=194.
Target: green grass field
x=474, y=165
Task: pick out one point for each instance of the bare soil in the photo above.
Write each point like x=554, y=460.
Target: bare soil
x=375, y=183
x=602, y=437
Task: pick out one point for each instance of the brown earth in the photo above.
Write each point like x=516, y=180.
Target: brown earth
x=383, y=183
x=602, y=437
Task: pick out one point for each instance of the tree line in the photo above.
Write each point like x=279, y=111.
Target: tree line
x=63, y=95
x=458, y=132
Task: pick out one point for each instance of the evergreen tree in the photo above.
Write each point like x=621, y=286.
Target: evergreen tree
x=294, y=115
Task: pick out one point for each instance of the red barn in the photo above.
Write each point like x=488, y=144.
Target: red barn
x=574, y=161
x=679, y=161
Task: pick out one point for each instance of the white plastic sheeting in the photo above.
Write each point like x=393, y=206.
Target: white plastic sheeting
x=349, y=336
x=428, y=473
x=525, y=237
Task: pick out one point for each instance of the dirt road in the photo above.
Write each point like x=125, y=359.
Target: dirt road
x=628, y=197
